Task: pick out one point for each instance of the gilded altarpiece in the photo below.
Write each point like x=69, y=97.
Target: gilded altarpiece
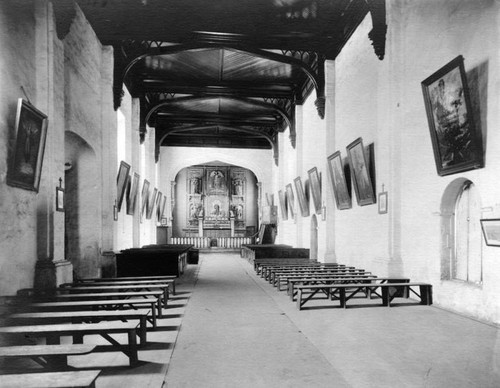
x=216, y=196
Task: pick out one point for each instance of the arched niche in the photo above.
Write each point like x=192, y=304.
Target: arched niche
x=82, y=206
x=199, y=198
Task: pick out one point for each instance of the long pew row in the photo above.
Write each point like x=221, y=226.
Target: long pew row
x=305, y=280
x=101, y=306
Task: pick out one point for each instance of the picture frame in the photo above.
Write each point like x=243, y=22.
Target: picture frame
x=315, y=187
x=115, y=212
x=282, y=201
x=132, y=193
x=59, y=199
x=25, y=166
x=144, y=196
x=491, y=231
x=151, y=204
x=382, y=202
x=341, y=190
x=290, y=200
x=360, y=173
x=159, y=198
x=456, y=142
x=163, y=221
x=162, y=207
x=301, y=195
x=121, y=183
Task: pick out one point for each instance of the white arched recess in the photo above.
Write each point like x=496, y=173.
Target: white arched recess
x=82, y=206
x=174, y=159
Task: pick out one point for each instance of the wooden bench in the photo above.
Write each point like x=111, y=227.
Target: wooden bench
x=131, y=283
x=96, y=287
x=125, y=278
x=266, y=269
x=293, y=281
x=76, y=379
x=87, y=316
x=54, y=332
x=281, y=261
x=110, y=295
x=155, y=306
x=425, y=294
x=48, y=356
x=274, y=277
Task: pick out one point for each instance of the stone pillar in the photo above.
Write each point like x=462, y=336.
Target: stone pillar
x=331, y=207
x=51, y=268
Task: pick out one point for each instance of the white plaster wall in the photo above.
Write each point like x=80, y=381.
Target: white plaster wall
x=382, y=102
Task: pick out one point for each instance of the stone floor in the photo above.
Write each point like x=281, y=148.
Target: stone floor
x=239, y=331
x=227, y=327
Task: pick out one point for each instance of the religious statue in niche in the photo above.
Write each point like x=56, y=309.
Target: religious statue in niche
x=237, y=187
x=195, y=208
x=195, y=185
x=217, y=182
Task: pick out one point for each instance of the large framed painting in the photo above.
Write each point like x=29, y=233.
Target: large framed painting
x=290, y=200
x=338, y=177
x=25, y=168
x=282, y=200
x=315, y=186
x=491, y=231
x=456, y=142
x=301, y=195
x=144, y=197
x=217, y=181
x=121, y=183
x=151, y=204
x=159, y=199
x=132, y=193
x=360, y=173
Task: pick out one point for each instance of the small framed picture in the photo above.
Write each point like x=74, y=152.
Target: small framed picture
x=59, y=199
x=382, y=202
x=491, y=231
x=163, y=221
x=290, y=200
x=115, y=212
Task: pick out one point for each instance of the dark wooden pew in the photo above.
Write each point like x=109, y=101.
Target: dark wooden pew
x=75, y=379
x=54, y=332
x=86, y=316
x=48, y=356
x=425, y=293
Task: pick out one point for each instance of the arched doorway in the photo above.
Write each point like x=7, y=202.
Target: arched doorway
x=82, y=206
x=313, y=250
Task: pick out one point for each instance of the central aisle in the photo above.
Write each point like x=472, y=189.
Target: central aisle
x=234, y=335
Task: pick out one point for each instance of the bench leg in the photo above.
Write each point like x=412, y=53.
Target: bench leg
x=299, y=299
x=159, y=307
x=78, y=338
x=153, y=315
x=386, y=299
x=342, y=298
x=426, y=295
x=132, y=347
x=142, y=330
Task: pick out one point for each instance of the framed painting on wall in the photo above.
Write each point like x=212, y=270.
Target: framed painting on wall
x=121, y=183
x=315, y=185
x=26, y=163
x=132, y=194
x=301, y=195
x=361, y=178
x=491, y=231
x=340, y=188
x=282, y=200
x=456, y=142
x=144, y=196
x=159, y=199
x=290, y=200
x=151, y=204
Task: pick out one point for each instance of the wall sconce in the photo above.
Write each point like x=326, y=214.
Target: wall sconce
x=60, y=197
